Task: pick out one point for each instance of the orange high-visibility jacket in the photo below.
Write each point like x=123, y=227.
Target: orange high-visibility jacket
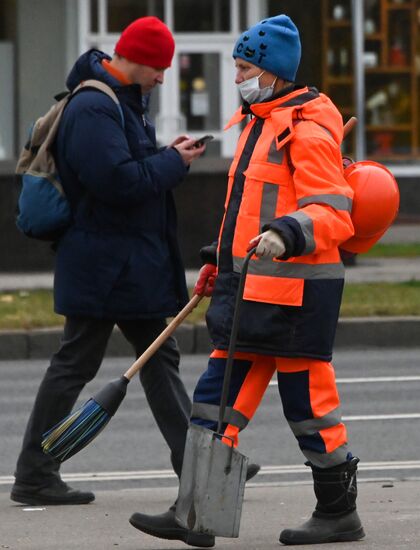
x=286, y=175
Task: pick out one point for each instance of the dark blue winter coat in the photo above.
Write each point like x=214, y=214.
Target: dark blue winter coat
x=120, y=259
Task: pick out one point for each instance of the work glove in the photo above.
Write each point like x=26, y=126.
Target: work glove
x=206, y=279
x=269, y=245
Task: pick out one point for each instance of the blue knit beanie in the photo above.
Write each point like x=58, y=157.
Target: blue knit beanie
x=272, y=44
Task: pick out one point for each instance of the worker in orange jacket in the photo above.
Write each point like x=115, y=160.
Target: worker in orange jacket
x=287, y=196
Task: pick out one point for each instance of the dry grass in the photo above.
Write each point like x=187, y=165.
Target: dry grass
x=34, y=309
x=27, y=310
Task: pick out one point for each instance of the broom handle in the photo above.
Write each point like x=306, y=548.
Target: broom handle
x=155, y=345
x=349, y=125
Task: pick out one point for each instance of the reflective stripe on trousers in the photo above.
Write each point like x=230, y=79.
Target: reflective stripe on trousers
x=308, y=392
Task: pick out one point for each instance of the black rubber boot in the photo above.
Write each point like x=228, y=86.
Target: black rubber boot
x=335, y=518
x=252, y=471
x=164, y=526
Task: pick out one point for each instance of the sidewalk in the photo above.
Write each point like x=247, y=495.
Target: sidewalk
x=367, y=269
x=362, y=332
x=389, y=511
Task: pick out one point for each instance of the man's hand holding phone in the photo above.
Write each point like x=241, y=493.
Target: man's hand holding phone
x=203, y=140
x=190, y=149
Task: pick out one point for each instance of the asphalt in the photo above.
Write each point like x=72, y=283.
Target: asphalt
x=389, y=511
x=389, y=507
x=355, y=332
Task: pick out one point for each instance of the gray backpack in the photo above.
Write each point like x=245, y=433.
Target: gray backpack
x=43, y=210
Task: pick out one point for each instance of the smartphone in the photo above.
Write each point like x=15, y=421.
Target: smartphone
x=201, y=141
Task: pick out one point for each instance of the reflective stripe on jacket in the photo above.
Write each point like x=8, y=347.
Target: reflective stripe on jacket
x=308, y=205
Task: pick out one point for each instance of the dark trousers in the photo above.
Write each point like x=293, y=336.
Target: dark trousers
x=77, y=362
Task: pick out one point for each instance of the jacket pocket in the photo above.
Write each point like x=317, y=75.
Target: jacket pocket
x=265, y=188
x=268, y=172
x=274, y=290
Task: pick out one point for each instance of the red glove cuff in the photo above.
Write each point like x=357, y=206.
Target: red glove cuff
x=206, y=279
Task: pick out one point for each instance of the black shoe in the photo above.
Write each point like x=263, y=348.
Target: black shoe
x=58, y=493
x=164, y=526
x=252, y=471
x=323, y=528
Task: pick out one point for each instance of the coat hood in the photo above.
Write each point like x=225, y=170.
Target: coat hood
x=89, y=65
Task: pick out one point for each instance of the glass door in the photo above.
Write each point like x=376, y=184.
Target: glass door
x=199, y=94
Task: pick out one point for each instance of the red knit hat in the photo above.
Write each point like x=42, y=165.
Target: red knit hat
x=147, y=41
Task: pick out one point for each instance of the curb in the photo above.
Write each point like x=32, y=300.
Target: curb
x=359, y=332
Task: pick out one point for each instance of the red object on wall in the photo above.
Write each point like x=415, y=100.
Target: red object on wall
x=397, y=56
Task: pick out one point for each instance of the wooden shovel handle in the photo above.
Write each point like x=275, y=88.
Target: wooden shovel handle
x=155, y=345
x=349, y=125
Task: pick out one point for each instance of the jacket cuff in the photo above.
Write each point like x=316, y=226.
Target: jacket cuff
x=291, y=233
x=208, y=254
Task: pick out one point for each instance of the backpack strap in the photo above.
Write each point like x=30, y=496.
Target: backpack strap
x=102, y=87
x=43, y=133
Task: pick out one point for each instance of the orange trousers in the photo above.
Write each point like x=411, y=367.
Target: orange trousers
x=308, y=393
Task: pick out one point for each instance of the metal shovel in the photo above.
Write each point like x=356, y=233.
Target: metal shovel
x=213, y=475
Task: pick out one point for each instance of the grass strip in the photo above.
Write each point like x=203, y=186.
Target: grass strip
x=383, y=299
x=391, y=250
x=34, y=309
x=363, y=300
x=28, y=310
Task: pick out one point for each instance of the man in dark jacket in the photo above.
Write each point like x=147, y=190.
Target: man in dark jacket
x=119, y=262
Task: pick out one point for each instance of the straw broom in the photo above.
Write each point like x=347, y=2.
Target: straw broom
x=77, y=430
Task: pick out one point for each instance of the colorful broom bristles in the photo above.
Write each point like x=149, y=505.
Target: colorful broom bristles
x=73, y=433
x=77, y=430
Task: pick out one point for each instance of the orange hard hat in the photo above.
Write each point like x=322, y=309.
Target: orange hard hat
x=375, y=203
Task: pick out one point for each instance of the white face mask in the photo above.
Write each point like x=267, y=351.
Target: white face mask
x=252, y=93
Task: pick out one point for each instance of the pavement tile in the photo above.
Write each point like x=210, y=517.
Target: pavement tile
x=389, y=511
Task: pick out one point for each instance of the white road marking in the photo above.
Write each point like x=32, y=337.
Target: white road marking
x=370, y=379
x=402, y=416
x=397, y=465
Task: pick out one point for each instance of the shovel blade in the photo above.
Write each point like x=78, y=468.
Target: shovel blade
x=212, y=485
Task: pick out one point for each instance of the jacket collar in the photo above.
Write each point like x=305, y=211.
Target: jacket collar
x=285, y=99
x=89, y=65
x=292, y=99
x=287, y=108
x=116, y=73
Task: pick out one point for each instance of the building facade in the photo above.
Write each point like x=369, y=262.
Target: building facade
x=365, y=54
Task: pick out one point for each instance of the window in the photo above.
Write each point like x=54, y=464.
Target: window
x=391, y=83
x=94, y=16
x=202, y=15
x=122, y=12
x=7, y=80
x=199, y=93
x=199, y=84
x=199, y=90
